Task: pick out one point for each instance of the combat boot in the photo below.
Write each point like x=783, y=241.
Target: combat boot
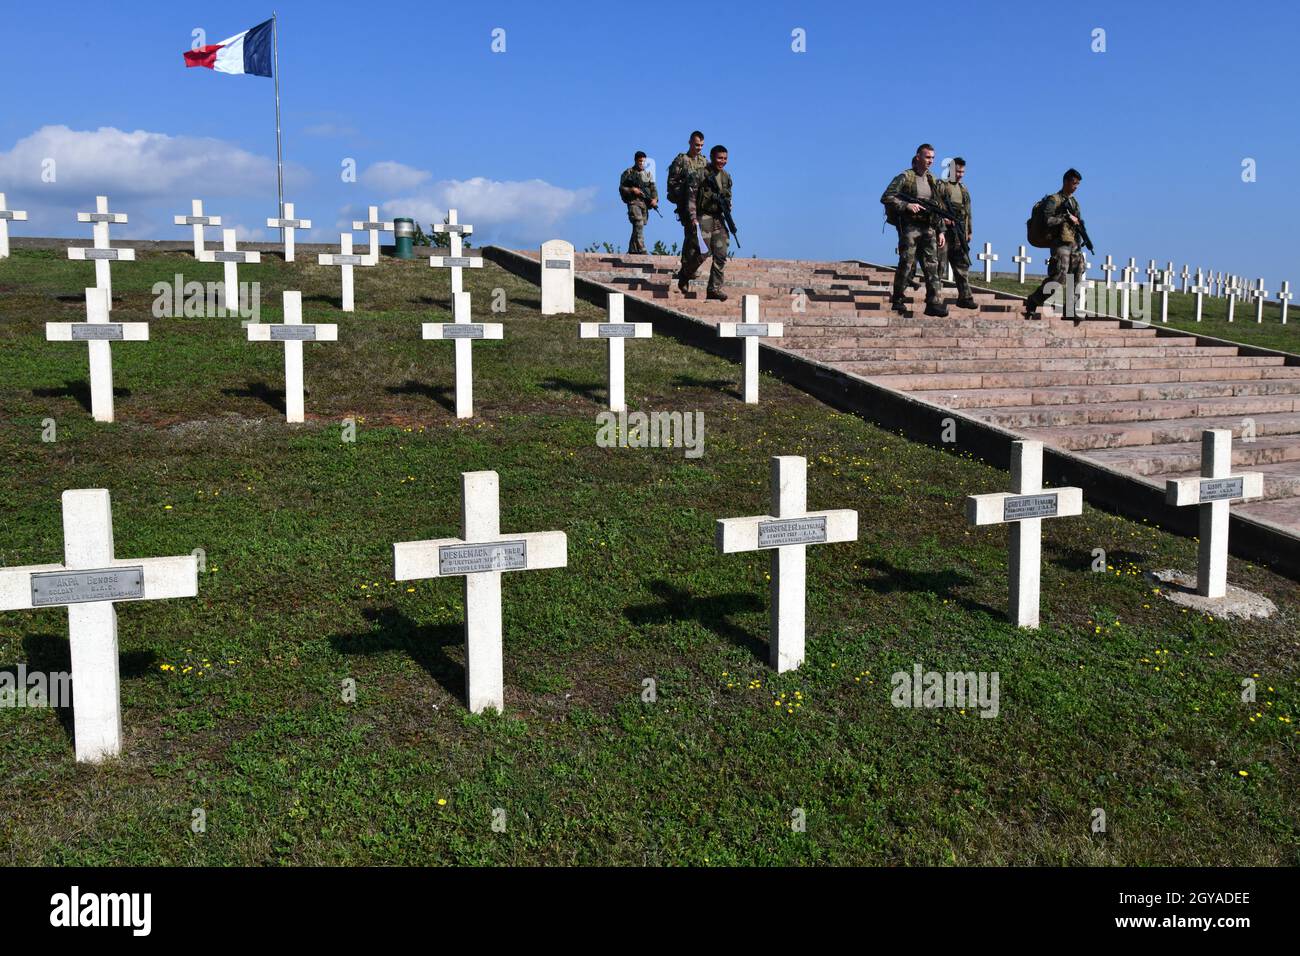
x=938, y=310
x=899, y=306
x=967, y=303
x=683, y=286
x=716, y=296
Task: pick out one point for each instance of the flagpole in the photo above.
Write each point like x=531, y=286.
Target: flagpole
x=279, y=152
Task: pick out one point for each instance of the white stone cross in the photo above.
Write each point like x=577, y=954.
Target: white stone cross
x=88, y=582
x=1231, y=291
x=1185, y=275
x=1284, y=297
x=97, y=332
x=197, y=220
x=463, y=331
x=230, y=258
x=1220, y=285
x=1199, y=289
x=1259, y=293
x=1164, y=285
x=481, y=554
x=1212, y=492
x=1108, y=267
x=615, y=331
x=557, y=277
x=1152, y=273
x=751, y=330
x=456, y=231
x=988, y=257
x=1024, y=509
x=292, y=333
x=8, y=215
x=288, y=223
x=787, y=532
x=345, y=259
x=1125, y=287
x=1021, y=260
x=101, y=251
x=374, y=226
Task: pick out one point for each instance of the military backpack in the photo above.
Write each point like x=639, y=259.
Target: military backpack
x=1037, y=232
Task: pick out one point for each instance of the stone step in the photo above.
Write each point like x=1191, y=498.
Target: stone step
x=1034, y=416
x=1086, y=437
x=964, y=381
x=1037, y=357
x=1192, y=361
x=1184, y=457
x=1071, y=395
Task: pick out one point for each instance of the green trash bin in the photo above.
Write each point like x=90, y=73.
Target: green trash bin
x=404, y=238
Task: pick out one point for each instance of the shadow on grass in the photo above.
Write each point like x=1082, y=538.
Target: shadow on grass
x=892, y=579
x=725, y=385
x=444, y=395
x=424, y=644
x=335, y=302
x=593, y=392
x=51, y=654
x=260, y=391
x=1082, y=560
x=78, y=389
x=711, y=612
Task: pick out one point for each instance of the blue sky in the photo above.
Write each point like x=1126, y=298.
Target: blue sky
x=529, y=143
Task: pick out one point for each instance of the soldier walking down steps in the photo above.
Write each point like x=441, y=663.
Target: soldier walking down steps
x=684, y=167
x=708, y=201
x=920, y=231
x=637, y=189
x=953, y=250
x=1061, y=223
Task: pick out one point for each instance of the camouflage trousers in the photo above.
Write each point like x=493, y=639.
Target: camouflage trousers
x=637, y=213
x=917, y=242
x=1065, y=260
x=715, y=234
x=952, y=254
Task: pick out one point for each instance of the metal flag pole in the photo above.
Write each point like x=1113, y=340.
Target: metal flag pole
x=279, y=152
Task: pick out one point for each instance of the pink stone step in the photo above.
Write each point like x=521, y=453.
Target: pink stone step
x=1083, y=437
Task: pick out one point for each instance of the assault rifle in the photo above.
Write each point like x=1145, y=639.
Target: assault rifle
x=1082, y=231
x=726, y=211
x=945, y=212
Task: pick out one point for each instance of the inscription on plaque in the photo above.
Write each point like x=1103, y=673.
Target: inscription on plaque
x=1020, y=507
x=455, y=228
x=472, y=558
x=372, y=225
x=228, y=256
x=783, y=531
x=289, y=223
x=6, y=214
x=463, y=262
x=196, y=220
x=100, y=216
x=341, y=260
x=293, y=333
x=1220, y=488
x=558, y=263
x=616, y=330
x=752, y=328
x=80, y=587
x=101, y=253
x=86, y=331
x=462, y=330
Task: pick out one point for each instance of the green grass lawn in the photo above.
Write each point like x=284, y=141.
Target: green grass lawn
x=232, y=701
x=1269, y=334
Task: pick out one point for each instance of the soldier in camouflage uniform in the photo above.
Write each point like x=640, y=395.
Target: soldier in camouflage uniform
x=637, y=189
x=680, y=173
x=920, y=234
x=1062, y=213
x=953, y=250
x=710, y=190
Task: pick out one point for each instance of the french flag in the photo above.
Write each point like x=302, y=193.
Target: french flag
x=247, y=52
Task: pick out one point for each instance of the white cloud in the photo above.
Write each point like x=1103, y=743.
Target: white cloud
x=391, y=177
x=515, y=212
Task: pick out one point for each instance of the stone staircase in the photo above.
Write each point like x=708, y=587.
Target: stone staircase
x=1133, y=397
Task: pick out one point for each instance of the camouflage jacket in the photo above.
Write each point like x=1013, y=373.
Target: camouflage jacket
x=958, y=197
x=1055, y=211
x=681, y=170
x=634, y=178
x=709, y=191
x=903, y=185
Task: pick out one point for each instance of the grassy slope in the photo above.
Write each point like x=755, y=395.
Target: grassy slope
x=1269, y=334
x=1121, y=701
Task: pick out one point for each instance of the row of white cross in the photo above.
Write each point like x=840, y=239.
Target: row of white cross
x=92, y=579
